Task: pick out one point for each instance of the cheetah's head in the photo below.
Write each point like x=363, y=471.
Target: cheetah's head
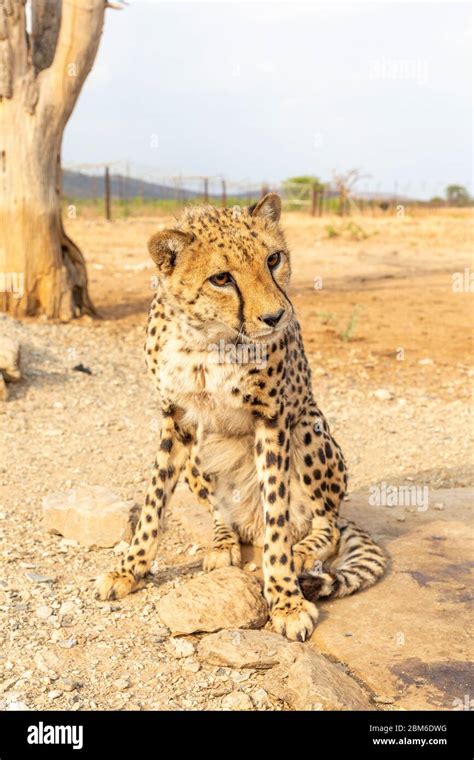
x=227, y=270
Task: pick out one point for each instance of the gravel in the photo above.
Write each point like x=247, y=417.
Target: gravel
x=64, y=428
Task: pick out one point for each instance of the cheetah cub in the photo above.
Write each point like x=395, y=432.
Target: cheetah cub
x=239, y=418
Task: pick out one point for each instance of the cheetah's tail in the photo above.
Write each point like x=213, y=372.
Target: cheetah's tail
x=358, y=564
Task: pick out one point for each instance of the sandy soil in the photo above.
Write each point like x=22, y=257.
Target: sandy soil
x=412, y=337
x=394, y=274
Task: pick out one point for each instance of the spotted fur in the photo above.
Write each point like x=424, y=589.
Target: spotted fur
x=239, y=418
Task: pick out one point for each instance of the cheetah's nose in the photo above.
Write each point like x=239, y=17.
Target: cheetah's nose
x=272, y=319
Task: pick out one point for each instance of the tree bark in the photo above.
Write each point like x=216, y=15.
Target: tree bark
x=41, y=75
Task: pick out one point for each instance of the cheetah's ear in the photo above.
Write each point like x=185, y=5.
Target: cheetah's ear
x=165, y=246
x=269, y=207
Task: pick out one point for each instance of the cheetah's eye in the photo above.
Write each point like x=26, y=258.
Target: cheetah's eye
x=221, y=279
x=274, y=259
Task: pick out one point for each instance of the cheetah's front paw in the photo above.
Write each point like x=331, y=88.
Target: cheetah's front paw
x=224, y=556
x=296, y=622
x=116, y=585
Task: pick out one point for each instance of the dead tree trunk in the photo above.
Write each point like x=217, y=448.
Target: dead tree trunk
x=41, y=75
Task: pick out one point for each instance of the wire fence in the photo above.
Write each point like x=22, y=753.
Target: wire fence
x=120, y=188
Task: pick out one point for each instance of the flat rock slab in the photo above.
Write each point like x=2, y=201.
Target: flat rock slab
x=408, y=637
x=306, y=680
x=297, y=674
x=242, y=649
x=226, y=598
x=93, y=516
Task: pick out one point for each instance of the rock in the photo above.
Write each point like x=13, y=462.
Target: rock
x=45, y=660
x=93, y=516
x=54, y=694
x=260, y=697
x=43, y=612
x=67, y=543
x=306, y=680
x=16, y=706
x=3, y=389
x=120, y=548
x=68, y=643
x=239, y=677
x=38, y=578
x=161, y=634
x=6, y=685
x=192, y=665
x=66, y=608
x=181, y=648
x=226, y=598
x=66, y=684
x=237, y=700
x=122, y=683
x=242, y=649
x=382, y=394
x=9, y=358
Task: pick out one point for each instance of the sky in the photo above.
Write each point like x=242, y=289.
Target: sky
x=265, y=91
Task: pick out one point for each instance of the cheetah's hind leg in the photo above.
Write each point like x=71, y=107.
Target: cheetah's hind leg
x=320, y=544
x=225, y=548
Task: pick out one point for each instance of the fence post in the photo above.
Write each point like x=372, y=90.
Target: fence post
x=314, y=198
x=206, y=190
x=224, y=194
x=107, y=193
x=321, y=201
x=342, y=202
x=125, y=189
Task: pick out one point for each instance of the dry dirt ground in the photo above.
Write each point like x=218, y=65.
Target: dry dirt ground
x=390, y=345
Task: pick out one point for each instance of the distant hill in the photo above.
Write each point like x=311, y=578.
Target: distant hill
x=77, y=185
x=83, y=186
